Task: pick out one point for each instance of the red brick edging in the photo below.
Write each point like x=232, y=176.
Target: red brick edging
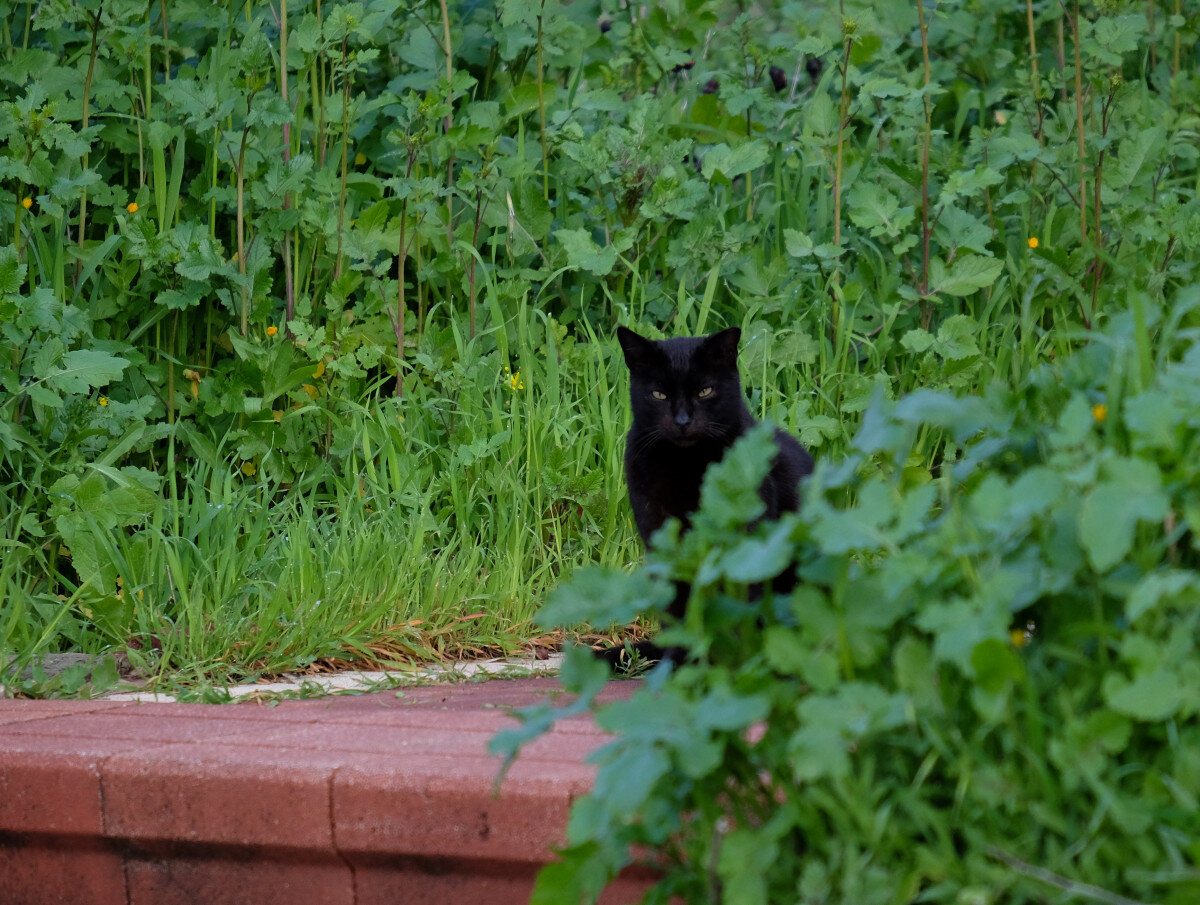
x=360, y=800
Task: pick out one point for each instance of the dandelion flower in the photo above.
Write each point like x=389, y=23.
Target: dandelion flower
x=1100, y=412
x=102, y=402
x=27, y=203
x=132, y=207
x=1033, y=242
x=271, y=331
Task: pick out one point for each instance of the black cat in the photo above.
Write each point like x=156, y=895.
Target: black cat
x=688, y=408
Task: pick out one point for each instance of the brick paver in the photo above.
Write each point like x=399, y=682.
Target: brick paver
x=380, y=798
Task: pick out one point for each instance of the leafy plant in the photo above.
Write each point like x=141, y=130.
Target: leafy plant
x=984, y=688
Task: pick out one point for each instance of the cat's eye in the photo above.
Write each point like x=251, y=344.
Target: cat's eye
x=704, y=393
x=657, y=395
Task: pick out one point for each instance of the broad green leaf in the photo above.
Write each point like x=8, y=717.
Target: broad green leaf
x=585, y=254
x=966, y=274
x=1173, y=584
x=82, y=369
x=737, y=161
x=1112, y=510
x=758, y=559
x=603, y=597
x=1152, y=697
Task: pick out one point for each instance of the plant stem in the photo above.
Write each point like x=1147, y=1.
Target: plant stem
x=402, y=256
x=241, y=222
x=541, y=107
x=1083, y=221
x=288, y=278
x=448, y=124
x=926, y=310
x=337, y=267
x=87, y=93
x=1033, y=74
x=843, y=108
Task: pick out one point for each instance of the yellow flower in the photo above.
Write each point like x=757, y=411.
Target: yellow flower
x=103, y=401
x=271, y=331
x=27, y=203
x=359, y=159
x=514, y=380
x=248, y=469
x=1100, y=412
x=1033, y=242
x=132, y=207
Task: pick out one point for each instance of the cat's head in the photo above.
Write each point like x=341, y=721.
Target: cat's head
x=685, y=390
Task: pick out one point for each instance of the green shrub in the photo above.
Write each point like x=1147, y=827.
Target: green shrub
x=986, y=687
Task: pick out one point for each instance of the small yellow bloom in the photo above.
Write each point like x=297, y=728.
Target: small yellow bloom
x=514, y=380
x=103, y=401
x=271, y=331
x=248, y=469
x=132, y=207
x=194, y=377
x=359, y=159
x=27, y=203
x=1033, y=242
x=1100, y=412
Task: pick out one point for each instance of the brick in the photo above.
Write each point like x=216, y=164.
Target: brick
x=187, y=875
x=429, y=881
x=23, y=710
x=444, y=806
x=404, y=741
x=221, y=794
x=144, y=725
x=52, y=784
x=436, y=881
x=242, y=710
x=39, y=870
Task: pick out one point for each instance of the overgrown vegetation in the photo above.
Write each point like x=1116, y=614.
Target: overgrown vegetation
x=986, y=688
x=305, y=318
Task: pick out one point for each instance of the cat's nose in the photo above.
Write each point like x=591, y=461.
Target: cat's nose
x=683, y=419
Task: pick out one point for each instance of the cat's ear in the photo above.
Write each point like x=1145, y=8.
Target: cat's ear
x=640, y=353
x=721, y=348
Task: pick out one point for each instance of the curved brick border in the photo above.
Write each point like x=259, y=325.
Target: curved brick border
x=380, y=798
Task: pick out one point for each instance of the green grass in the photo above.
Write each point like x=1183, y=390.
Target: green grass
x=211, y=292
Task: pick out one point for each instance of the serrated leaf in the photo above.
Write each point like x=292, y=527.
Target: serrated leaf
x=585, y=254
x=736, y=161
x=83, y=369
x=964, y=275
x=604, y=597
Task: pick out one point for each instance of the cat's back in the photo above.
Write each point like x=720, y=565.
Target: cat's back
x=791, y=465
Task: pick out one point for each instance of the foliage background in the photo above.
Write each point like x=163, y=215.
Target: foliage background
x=305, y=312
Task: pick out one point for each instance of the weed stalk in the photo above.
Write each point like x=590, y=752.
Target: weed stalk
x=87, y=94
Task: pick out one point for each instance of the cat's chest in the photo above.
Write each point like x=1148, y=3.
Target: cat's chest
x=667, y=479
